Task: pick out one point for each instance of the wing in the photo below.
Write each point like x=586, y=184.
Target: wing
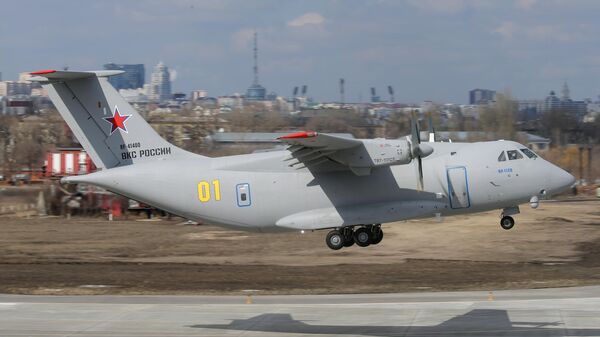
x=311, y=148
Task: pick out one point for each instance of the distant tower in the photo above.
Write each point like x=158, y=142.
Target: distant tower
x=374, y=97
x=342, y=91
x=256, y=92
x=255, y=59
x=566, y=93
x=160, y=85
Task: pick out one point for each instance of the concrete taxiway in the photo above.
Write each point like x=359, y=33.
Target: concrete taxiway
x=543, y=312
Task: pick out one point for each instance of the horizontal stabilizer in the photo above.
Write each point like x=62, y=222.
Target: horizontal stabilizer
x=63, y=75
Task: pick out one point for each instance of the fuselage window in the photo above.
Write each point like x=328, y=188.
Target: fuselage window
x=514, y=154
x=529, y=153
x=502, y=157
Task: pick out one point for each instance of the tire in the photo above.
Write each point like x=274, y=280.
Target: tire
x=334, y=240
x=362, y=237
x=348, y=234
x=377, y=236
x=507, y=222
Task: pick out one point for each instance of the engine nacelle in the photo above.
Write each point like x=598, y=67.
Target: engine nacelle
x=376, y=153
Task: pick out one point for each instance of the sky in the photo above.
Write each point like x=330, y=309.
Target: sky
x=426, y=49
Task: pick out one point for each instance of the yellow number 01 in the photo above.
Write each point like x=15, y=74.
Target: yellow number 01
x=204, y=190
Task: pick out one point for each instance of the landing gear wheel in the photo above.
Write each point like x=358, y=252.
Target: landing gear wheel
x=334, y=240
x=377, y=235
x=507, y=222
x=362, y=237
x=348, y=234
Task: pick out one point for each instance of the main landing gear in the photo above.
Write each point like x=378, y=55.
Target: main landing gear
x=363, y=236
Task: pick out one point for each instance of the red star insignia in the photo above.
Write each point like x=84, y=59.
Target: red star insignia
x=117, y=121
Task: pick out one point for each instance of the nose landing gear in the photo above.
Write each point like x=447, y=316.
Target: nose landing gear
x=347, y=236
x=507, y=222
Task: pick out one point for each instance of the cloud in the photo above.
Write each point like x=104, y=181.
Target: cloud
x=507, y=29
x=451, y=6
x=525, y=4
x=550, y=32
x=443, y=6
x=172, y=74
x=308, y=19
x=242, y=39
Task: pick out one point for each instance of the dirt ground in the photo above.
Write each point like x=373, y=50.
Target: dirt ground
x=555, y=245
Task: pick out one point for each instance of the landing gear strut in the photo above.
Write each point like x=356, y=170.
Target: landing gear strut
x=348, y=233
x=507, y=222
x=347, y=236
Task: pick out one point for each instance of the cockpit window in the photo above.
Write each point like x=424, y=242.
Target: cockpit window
x=529, y=153
x=514, y=154
x=502, y=157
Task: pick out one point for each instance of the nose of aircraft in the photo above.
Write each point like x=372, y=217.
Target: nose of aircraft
x=560, y=180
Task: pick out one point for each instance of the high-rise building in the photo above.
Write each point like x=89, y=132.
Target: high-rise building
x=133, y=78
x=160, y=84
x=481, y=96
x=577, y=109
x=256, y=92
x=13, y=88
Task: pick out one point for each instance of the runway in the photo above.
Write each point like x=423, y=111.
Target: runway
x=545, y=312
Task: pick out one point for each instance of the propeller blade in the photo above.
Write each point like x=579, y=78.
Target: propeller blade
x=420, y=180
x=418, y=150
x=414, y=129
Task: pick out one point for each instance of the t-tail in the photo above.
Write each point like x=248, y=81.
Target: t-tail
x=107, y=127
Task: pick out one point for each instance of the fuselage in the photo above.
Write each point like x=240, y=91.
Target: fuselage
x=261, y=192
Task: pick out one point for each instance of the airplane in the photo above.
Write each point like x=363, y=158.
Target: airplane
x=320, y=181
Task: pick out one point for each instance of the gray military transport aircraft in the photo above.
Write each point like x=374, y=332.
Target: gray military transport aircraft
x=321, y=181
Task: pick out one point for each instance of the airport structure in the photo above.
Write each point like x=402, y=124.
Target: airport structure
x=68, y=161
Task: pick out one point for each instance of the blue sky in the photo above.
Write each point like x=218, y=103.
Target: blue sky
x=426, y=49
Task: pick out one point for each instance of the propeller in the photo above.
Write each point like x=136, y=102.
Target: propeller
x=418, y=150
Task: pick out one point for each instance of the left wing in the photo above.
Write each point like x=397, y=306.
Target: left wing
x=358, y=155
x=312, y=148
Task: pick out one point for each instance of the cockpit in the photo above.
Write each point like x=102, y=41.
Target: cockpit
x=516, y=154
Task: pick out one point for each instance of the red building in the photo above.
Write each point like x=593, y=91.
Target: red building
x=67, y=162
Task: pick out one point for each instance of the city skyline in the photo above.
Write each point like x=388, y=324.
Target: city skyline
x=427, y=50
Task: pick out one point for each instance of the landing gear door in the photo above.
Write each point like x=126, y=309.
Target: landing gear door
x=243, y=195
x=458, y=187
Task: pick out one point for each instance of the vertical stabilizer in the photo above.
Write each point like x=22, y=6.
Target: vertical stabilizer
x=106, y=125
